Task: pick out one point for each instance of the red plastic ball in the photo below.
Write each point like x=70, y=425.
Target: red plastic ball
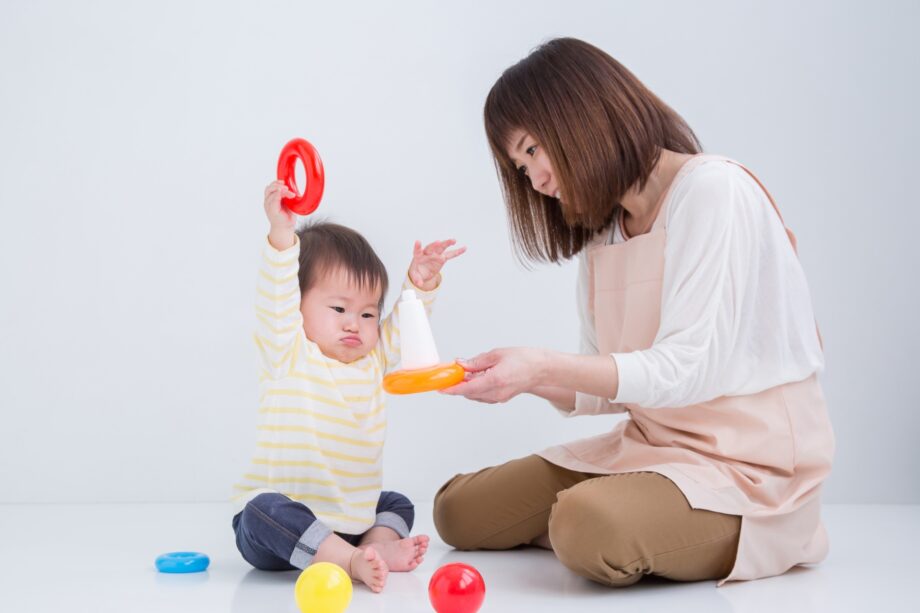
x=299, y=149
x=456, y=588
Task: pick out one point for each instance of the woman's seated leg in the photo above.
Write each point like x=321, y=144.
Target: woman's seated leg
x=503, y=506
x=616, y=528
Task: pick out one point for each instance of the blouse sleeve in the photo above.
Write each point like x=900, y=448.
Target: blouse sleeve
x=736, y=315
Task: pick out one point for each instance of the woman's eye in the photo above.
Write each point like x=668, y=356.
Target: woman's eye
x=338, y=309
x=531, y=150
x=522, y=170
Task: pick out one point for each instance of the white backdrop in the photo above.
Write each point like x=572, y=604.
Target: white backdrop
x=136, y=139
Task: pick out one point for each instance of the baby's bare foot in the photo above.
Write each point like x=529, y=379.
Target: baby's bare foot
x=368, y=567
x=402, y=555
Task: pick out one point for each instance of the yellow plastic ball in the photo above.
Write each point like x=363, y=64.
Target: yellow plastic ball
x=323, y=588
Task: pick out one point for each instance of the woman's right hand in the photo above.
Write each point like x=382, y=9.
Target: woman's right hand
x=280, y=218
x=500, y=374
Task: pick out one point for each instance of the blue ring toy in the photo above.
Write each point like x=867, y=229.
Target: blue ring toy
x=182, y=562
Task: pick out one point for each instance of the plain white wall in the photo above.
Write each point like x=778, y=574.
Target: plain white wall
x=136, y=139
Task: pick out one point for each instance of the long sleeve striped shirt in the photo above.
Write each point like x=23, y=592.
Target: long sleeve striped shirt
x=322, y=423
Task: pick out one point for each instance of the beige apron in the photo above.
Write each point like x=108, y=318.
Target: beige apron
x=761, y=456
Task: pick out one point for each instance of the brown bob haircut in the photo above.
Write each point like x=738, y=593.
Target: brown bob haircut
x=326, y=247
x=601, y=129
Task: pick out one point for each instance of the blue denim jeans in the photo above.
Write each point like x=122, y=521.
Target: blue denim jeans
x=274, y=532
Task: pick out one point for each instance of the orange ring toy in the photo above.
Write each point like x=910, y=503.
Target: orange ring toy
x=423, y=379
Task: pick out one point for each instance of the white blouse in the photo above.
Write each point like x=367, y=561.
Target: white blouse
x=736, y=315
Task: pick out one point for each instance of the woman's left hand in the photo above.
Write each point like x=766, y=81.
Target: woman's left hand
x=500, y=374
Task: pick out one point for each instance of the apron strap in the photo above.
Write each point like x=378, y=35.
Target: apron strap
x=792, y=239
x=689, y=165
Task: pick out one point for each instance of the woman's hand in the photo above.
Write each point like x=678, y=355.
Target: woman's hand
x=501, y=374
x=425, y=269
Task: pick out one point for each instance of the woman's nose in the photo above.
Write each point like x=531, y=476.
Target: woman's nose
x=539, y=177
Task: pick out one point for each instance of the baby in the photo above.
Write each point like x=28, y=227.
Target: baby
x=313, y=490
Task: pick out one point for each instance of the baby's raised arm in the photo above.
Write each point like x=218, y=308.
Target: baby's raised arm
x=280, y=218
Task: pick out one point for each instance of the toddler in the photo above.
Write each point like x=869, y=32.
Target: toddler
x=313, y=490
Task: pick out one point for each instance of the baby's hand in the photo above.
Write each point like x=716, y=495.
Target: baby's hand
x=278, y=214
x=282, y=219
x=425, y=269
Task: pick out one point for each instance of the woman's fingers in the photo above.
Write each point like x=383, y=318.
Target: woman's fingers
x=481, y=362
x=474, y=388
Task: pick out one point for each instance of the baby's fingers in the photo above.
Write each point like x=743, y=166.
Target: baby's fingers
x=438, y=247
x=449, y=255
x=274, y=186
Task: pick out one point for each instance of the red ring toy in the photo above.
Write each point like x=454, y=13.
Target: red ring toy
x=299, y=149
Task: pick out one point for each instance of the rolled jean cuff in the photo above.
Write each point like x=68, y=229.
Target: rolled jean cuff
x=394, y=522
x=309, y=542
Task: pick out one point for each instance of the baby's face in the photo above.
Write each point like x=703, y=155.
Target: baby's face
x=341, y=317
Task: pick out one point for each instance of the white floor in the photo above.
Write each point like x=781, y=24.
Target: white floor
x=99, y=558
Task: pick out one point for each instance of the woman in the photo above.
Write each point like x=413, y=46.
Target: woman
x=696, y=322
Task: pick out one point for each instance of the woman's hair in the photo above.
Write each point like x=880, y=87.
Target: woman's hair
x=326, y=247
x=601, y=129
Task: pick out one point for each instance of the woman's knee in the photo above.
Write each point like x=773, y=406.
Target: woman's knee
x=451, y=513
x=595, y=538
x=616, y=529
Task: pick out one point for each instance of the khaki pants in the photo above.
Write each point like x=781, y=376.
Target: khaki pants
x=610, y=528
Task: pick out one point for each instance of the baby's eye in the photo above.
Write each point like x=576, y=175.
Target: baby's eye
x=368, y=315
x=338, y=309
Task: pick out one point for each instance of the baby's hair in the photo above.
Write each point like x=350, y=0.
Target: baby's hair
x=326, y=247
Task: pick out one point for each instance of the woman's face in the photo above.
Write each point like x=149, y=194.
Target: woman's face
x=531, y=160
